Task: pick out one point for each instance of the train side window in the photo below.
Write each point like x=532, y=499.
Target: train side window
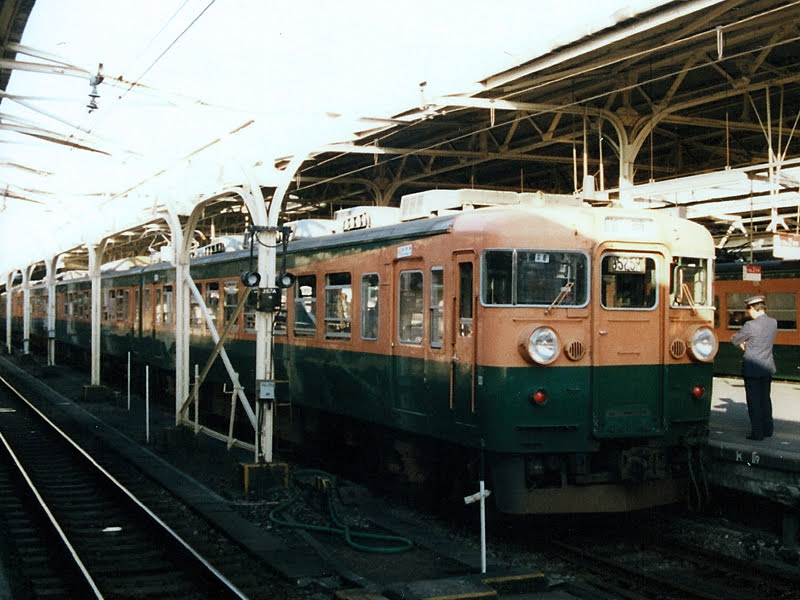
x=370, y=306
x=212, y=301
x=629, y=281
x=437, y=307
x=231, y=300
x=123, y=305
x=338, y=305
x=195, y=312
x=279, y=325
x=465, y=299
x=716, y=311
x=147, y=315
x=737, y=314
x=305, y=305
x=782, y=306
x=108, y=304
x=411, y=323
x=498, y=269
x=158, y=307
x=250, y=312
x=167, y=305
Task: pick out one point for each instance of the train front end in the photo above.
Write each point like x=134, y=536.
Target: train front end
x=595, y=359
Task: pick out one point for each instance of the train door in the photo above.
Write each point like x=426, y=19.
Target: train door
x=408, y=350
x=463, y=339
x=628, y=389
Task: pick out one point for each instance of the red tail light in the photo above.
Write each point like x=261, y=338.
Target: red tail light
x=539, y=398
x=698, y=391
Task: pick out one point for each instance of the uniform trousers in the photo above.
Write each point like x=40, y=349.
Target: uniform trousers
x=759, y=406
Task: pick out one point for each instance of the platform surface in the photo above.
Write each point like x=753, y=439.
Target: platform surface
x=729, y=425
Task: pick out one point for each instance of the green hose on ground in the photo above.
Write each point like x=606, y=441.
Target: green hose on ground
x=398, y=544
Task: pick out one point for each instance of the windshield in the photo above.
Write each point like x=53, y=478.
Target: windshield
x=534, y=278
x=688, y=282
x=629, y=281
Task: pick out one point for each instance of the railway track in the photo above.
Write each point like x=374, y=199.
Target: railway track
x=70, y=529
x=590, y=562
x=660, y=569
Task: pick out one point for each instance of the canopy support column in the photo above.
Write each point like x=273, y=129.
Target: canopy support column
x=9, y=308
x=95, y=262
x=181, y=243
x=51, y=310
x=26, y=310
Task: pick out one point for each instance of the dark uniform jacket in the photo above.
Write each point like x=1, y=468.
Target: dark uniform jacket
x=759, y=335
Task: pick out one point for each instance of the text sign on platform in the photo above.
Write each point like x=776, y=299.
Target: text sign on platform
x=786, y=245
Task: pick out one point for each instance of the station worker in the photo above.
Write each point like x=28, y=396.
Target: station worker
x=756, y=338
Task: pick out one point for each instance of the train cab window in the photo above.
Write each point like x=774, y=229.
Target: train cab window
x=370, y=306
x=437, y=307
x=338, y=305
x=534, y=277
x=551, y=278
x=689, y=282
x=212, y=301
x=231, y=300
x=411, y=323
x=628, y=281
x=305, y=305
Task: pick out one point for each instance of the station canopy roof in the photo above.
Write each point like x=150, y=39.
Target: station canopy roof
x=689, y=105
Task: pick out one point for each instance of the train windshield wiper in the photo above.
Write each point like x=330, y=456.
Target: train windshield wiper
x=565, y=290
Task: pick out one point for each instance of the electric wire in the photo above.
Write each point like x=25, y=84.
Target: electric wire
x=336, y=526
x=575, y=105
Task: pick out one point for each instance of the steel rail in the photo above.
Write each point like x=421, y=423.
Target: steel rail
x=51, y=517
x=155, y=518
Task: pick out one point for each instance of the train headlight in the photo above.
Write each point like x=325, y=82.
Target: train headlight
x=540, y=346
x=703, y=346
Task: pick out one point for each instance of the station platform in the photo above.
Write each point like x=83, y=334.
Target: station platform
x=768, y=468
x=729, y=426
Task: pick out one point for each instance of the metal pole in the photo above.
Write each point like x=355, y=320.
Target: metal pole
x=147, y=403
x=196, y=398
x=129, y=381
x=483, y=527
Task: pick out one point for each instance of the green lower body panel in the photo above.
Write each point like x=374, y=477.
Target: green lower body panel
x=787, y=361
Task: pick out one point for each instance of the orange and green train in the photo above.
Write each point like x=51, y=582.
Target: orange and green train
x=567, y=347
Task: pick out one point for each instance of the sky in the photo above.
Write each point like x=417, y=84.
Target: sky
x=212, y=65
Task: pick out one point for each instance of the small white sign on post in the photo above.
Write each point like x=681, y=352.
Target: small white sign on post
x=481, y=496
x=751, y=272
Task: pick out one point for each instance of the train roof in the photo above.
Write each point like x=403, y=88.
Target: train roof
x=440, y=211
